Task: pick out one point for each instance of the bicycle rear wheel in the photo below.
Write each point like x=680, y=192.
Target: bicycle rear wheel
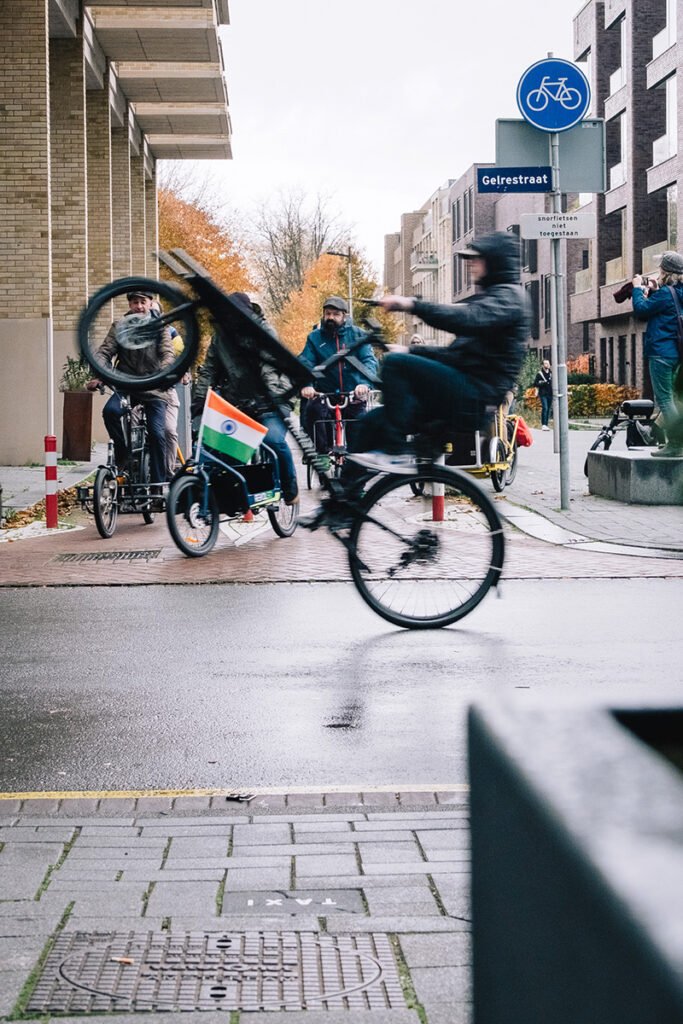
x=498, y=475
x=146, y=476
x=418, y=573
x=139, y=339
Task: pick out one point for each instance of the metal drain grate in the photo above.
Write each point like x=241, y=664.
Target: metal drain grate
x=161, y=971
x=143, y=555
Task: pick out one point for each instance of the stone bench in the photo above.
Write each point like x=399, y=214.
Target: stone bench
x=634, y=477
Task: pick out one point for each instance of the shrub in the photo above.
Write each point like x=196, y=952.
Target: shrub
x=590, y=399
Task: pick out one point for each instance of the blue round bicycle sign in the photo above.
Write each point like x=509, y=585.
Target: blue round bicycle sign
x=553, y=95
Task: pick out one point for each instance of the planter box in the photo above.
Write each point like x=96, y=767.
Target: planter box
x=77, y=426
x=577, y=865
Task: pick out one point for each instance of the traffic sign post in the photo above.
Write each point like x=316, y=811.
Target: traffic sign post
x=553, y=95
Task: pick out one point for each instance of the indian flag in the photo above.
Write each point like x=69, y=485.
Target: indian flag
x=225, y=429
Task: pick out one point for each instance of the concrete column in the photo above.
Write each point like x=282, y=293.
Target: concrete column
x=152, y=225
x=138, y=215
x=99, y=188
x=121, y=204
x=25, y=254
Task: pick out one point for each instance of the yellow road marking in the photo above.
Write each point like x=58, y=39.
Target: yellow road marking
x=121, y=794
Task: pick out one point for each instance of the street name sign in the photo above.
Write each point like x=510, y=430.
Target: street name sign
x=514, y=179
x=558, y=225
x=553, y=95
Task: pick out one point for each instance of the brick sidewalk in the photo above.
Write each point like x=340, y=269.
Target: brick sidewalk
x=313, y=895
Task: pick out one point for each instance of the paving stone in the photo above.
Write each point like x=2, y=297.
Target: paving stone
x=343, y=800
x=29, y=922
x=191, y=803
x=240, y=879
x=456, y=1013
x=416, y=799
x=394, y=853
x=323, y=828
x=20, y=886
x=9, y=808
x=380, y=799
x=90, y=871
x=34, y=854
x=173, y=875
x=308, y=867
x=136, y=849
x=78, y=805
x=182, y=846
x=329, y=1017
x=244, y=923
x=406, y=900
x=94, y=887
x=20, y=954
x=116, y=807
x=94, y=922
x=109, y=831
x=454, y=894
x=342, y=924
x=187, y=831
x=383, y=836
x=153, y=805
x=295, y=902
x=437, y=951
x=11, y=984
x=305, y=800
x=454, y=798
x=448, y=839
x=424, y=867
x=363, y=881
x=319, y=820
x=102, y=905
x=265, y=803
x=37, y=806
x=395, y=822
x=236, y=807
x=298, y=850
x=442, y=986
x=261, y=833
x=201, y=822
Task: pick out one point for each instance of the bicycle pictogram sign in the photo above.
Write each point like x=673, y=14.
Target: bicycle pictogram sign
x=553, y=95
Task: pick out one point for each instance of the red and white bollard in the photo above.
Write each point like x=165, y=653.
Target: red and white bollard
x=51, y=482
x=439, y=496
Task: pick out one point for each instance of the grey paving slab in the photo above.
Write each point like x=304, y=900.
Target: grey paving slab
x=333, y=1017
x=29, y=833
x=345, y=923
x=383, y=836
x=316, y=819
x=454, y=894
x=190, y=831
x=363, y=881
x=74, y=821
x=199, y=847
x=404, y=901
x=9, y=808
x=262, y=832
x=154, y=805
x=456, y=1013
x=447, y=839
x=95, y=886
x=188, y=804
x=11, y=984
x=298, y=850
x=437, y=821
x=142, y=850
x=20, y=953
x=323, y=827
x=200, y=897
x=30, y=853
x=411, y=799
x=38, y=807
x=305, y=800
x=186, y=875
x=96, y=904
x=424, y=867
x=343, y=800
x=18, y=885
x=295, y=902
x=198, y=821
x=267, y=803
x=257, y=878
x=109, y=831
x=380, y=800
x=276, y=860
x=78, y=805
x=322, y=864
x=120, y=807
x=454, y=950
x=93, y=922
x=441, y=986
x=390, y=853
x=187, y=922
x=453, y=799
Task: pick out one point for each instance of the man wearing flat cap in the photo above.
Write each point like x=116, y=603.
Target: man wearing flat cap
x=336, y=332
x=138, y=362
x=661, y=344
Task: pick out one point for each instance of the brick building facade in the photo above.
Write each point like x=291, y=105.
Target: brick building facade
x=91, y=97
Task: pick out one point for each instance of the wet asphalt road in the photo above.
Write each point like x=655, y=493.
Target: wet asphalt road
x=298, y=685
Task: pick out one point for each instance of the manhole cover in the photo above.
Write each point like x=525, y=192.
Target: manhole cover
x=89, y=973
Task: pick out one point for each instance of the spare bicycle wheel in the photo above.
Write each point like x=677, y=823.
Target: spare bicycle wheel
x=417, y=572
x=137, y=351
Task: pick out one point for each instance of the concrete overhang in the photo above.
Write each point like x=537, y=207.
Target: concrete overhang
x=63, y=17
x=190, y=147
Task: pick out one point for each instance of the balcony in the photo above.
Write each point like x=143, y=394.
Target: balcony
x=617, y=175
x=663, y=148
x=616, y=81
x=650, y=263
x=663, y=40
x=615, y=270
x=583, y=281
x=423, y=261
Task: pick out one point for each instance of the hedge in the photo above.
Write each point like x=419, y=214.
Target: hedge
x=589, y=399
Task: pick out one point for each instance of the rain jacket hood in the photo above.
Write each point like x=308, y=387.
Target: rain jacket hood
x=501, y=252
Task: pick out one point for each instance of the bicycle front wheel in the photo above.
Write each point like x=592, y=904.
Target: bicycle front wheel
x=192, y=515
x=416, y=572
x=105, y=501
x=137, y=356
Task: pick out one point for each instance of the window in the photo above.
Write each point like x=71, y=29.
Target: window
x=532, y=290
x=633, y=360
x=603, y=359
x=466, y=211
x=621, y=359
x=547, y=302
x=457, y=225
x=530, y=255
x=586, y=338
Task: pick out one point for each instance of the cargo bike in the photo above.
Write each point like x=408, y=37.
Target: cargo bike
x=414, y=571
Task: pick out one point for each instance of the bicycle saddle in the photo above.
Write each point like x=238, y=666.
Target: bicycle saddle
x=638, y=407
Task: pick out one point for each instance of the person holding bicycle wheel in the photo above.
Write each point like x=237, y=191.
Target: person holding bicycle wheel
x=139, y=361
x=431, y=391
x=336, y=332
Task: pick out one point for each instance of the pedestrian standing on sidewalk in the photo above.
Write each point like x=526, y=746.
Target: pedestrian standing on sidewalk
x=661, y=344
x=544, y=389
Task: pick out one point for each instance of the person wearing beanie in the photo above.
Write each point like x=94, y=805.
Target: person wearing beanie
x=662, y=345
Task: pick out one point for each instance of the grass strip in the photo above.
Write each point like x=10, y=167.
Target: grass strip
x=221, y=893
x=409, y=993
x=19, y=1011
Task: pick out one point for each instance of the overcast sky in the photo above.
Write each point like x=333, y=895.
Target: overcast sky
x=376, y=102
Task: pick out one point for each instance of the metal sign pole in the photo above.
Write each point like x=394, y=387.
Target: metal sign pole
x=559, y=338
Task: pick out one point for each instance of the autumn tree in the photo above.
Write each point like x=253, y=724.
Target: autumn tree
x=290, y=234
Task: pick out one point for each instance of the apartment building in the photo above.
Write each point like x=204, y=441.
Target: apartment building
x=632, y=60
x=92, y=96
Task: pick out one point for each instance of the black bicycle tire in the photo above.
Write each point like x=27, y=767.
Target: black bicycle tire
x=602, y=441
x=147, y=516
x=309, y=475
x=417, y=488
x=104, y=529
x=280, y=530
x=124, y=381
x=180, y=484
x=512, y=471
x=467, y=487
x=498, y=475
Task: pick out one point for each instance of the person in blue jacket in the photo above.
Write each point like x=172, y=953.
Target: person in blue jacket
x=336, y=332
x=660, y=343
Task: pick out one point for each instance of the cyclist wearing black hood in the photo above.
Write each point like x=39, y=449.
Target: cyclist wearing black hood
x=456, y=385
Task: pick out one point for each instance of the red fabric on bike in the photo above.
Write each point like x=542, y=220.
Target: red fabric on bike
x=524, y=438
